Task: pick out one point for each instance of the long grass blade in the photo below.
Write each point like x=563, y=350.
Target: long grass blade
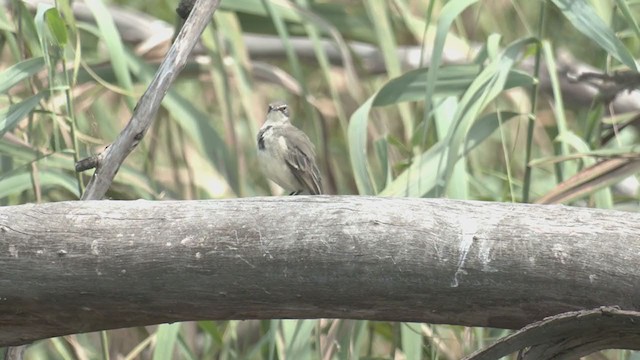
x=582, y=15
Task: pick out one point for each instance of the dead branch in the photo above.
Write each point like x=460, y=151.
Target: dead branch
x=71, y=267
x=570, y=336
x=147, y=107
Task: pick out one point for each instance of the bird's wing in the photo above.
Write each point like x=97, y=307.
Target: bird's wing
x=301, y=160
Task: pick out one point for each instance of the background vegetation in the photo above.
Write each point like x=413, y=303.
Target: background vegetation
x=480, y=129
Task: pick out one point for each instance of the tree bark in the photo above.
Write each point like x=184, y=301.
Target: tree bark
x=73, y=267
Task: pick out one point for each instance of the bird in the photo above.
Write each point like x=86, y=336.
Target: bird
x=286, y=155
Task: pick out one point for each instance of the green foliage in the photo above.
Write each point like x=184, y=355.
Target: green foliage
x=461, y=130
x=166, y=338
x=587, y=21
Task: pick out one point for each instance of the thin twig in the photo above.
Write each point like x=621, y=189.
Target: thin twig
x=146, y=109
x=610, y=85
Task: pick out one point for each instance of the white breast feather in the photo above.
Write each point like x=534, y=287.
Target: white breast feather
x=273, y=164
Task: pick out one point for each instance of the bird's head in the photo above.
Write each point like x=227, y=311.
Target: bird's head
x=278, y=113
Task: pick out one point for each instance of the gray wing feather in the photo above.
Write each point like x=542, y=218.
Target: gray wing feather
x=301, y=159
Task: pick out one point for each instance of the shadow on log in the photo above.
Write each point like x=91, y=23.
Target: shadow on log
x=73, y=267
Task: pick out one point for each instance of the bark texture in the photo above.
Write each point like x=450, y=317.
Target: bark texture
x=73, y=267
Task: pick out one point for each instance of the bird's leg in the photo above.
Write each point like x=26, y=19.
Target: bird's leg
x=297, y=192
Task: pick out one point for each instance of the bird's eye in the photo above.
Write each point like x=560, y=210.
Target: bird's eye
x=284, y=110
